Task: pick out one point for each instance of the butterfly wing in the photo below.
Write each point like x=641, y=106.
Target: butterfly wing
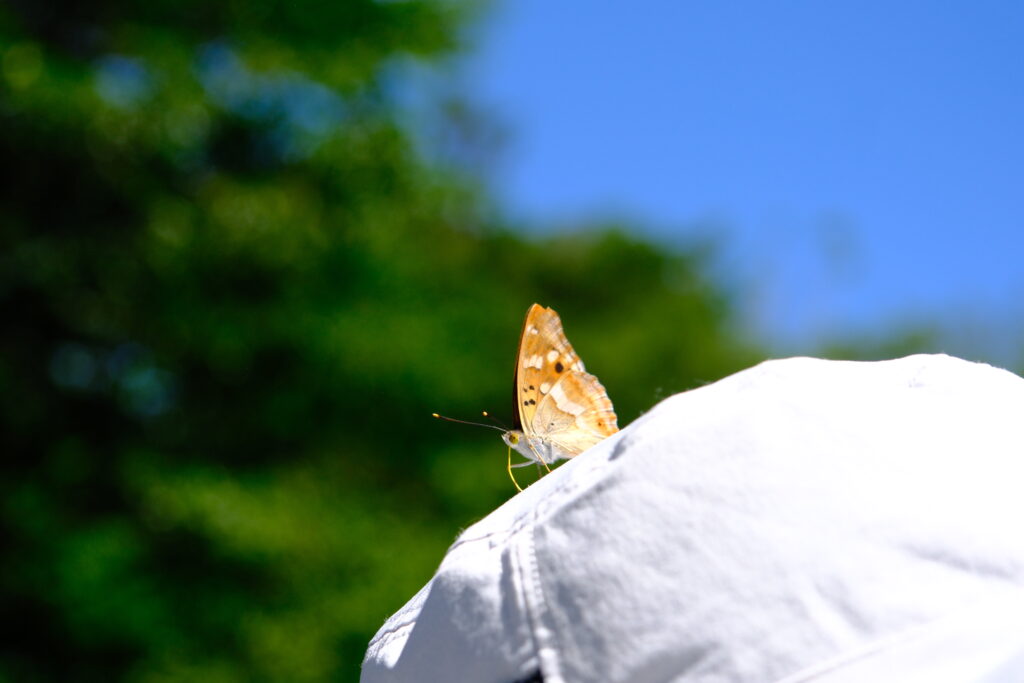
x=542, y=346
x=556, y=399
x=576, y=414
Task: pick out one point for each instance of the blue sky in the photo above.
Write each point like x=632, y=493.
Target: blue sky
x=863, y=163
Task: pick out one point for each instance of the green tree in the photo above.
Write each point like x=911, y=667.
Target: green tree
x=232, y=292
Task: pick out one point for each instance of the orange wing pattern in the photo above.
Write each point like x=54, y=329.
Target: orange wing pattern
x=557, y=400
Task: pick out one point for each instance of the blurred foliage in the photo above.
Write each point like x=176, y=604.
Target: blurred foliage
x=232, y=293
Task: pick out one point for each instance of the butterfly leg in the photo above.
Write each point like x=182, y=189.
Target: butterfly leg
x=540, y=458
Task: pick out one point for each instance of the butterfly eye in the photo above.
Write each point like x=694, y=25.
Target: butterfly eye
x=513, y=438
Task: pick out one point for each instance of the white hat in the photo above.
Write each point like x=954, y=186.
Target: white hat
x=803, y=520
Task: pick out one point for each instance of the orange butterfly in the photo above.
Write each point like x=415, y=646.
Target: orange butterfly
x=560, y=409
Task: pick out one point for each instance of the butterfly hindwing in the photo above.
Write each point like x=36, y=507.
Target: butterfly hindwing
x=576, y=414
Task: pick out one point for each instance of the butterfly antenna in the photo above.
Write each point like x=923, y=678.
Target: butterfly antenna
x=467, y=422
x=512, y=476
x=500, y=429
x=495, y=421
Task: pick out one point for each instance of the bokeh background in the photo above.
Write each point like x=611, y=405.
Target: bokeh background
x=249, y=247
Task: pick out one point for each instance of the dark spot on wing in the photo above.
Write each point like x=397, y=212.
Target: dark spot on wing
x=531, y=387
x=526, y=403
x=532, y=402
x=559, y=367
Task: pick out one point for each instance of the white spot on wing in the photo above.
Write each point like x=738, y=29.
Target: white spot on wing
x=534, y=330
x=545, y=387
x=552, y=356
x=534, y=361
x=564, y=403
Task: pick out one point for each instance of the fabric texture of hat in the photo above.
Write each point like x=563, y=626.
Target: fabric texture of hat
x=803, y=520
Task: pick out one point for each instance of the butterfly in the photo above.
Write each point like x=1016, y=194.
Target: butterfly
x=560, y=409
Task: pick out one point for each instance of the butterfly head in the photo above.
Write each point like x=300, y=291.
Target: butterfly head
x=513, y=437
x=531, y=447
x=539, y=450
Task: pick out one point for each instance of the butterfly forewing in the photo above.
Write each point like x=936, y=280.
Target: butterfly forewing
x=544, y=356
x=556, y=399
